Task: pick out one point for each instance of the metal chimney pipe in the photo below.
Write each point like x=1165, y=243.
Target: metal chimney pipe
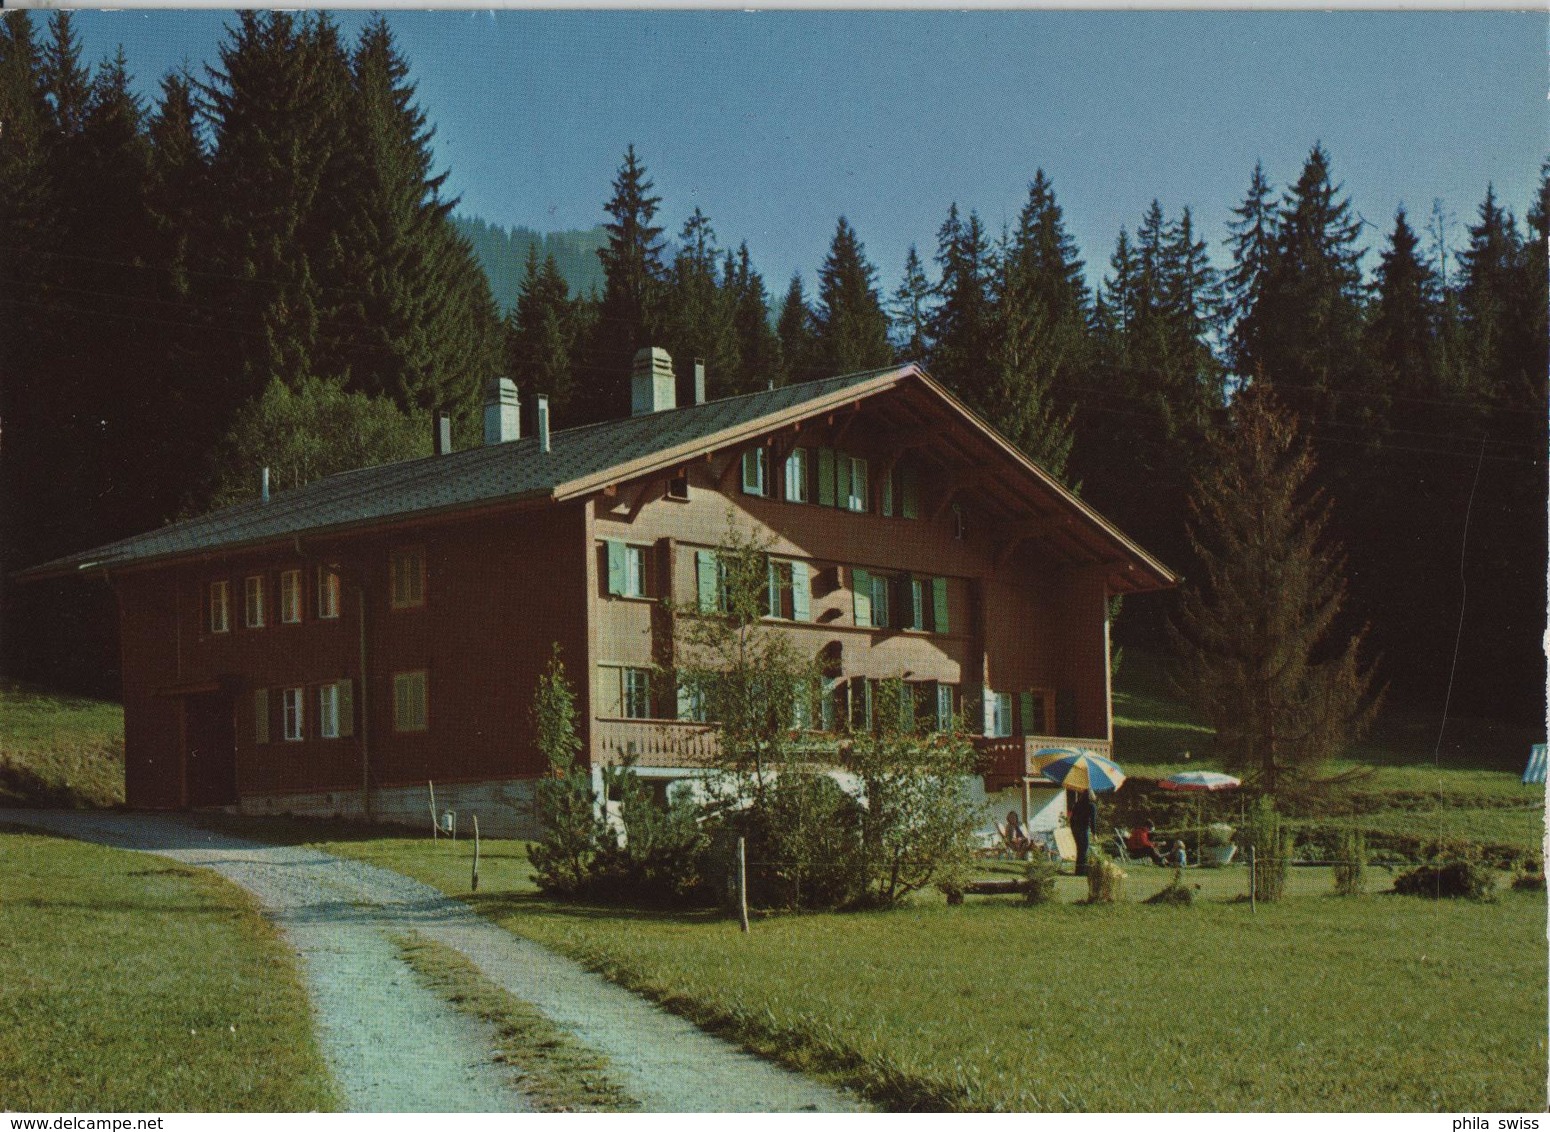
x=699, y=381
x=263, y=486
x=443, y=434
x=543, y=422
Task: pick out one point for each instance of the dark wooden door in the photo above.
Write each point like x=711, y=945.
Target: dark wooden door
x=209, y=749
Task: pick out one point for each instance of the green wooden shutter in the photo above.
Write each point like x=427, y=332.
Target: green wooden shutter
x=826, y=703
x=939, y=605
x=826, y=477
x=842, y=480
x=616, y=570
x=909, y=492
x=861, y=593
x=346, y=708
x=801, y=592
x=1031, y=726
x=705, y=576
x=887, y=500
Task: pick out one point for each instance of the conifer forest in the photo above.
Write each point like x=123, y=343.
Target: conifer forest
x=260, y=267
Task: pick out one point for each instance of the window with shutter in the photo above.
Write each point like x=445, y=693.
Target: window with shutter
x=1030, y=725
x=411, y=707
x=909, y=491
x=944, y=707
x=826, y=477
x=1003, y=707
x=753, y=472
x=880, y=587
x=856, y=497
x=254, y=593
x=637, y=693
x=707, y=573
x=328, y=594
x=796, y=476
x=293, y=714
x=801, y=592
x=290, y=597
x=861, y=596
x=407, y=568
x=220, y=607
x=913, y=603
x=328, y=711
x=615, y=555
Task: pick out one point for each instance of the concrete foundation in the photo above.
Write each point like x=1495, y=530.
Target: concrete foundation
x=504, y=807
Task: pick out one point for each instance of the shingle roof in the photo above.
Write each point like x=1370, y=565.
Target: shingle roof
x=504, y=472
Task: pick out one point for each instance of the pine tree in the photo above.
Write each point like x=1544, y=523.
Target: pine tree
x=852, y=329
x=796, y=330
x=911, y=312
x=629, y=313
x=1265, y=663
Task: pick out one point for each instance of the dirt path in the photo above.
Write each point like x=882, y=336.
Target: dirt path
x=396, y=1047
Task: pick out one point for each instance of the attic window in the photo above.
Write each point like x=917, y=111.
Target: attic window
x=408, y=576
x=678, y=486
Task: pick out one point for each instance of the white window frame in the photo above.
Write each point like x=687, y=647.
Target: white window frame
x=290, y=597
x=755, y=472
x=796, y=476
x=411, y=701
x=253, y=601
x=295, y=714
x=328, y=594
x=328, y=711
x=406, y=570
x=635, y=693
x=220, y=607
x=634, y=571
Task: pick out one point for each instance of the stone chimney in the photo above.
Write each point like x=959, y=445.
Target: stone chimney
x=653, y=386
x=502, y=416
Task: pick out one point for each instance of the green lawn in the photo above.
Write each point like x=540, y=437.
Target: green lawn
x=130, y=983
x=1377, y=1002
x=59, y=750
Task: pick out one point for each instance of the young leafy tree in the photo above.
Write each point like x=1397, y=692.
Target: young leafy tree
x=573, y=831
x=852, y=328
x=1264, y=661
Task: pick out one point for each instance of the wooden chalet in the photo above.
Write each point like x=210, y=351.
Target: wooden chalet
x=332, y=649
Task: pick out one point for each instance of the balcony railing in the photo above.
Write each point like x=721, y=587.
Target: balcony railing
x=1007, y=761
x=654, y=742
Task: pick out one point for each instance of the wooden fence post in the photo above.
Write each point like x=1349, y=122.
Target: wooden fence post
x=742, y=882
x=1253, y=881
x=476, y=853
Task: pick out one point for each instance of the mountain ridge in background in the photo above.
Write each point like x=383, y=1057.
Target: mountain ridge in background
x=503, y=253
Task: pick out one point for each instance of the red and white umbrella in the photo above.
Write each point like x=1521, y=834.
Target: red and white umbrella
x=1200, y=780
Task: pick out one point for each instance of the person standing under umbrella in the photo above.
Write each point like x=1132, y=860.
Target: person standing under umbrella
x=1082, y=815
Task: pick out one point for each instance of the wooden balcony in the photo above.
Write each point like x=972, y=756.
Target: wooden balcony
x=653, y=742
x=1006, y=762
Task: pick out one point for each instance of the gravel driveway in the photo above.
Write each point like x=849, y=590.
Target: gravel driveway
x=395, y=1046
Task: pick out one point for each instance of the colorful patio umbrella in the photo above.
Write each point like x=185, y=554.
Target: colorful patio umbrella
x=1083, y=770
x=1046, y=755
x=1200, y=780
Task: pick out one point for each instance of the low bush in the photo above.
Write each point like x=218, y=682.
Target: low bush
x=1468, y=879
x=1105, y=880
x=1041, y=882
x=1350, y=863
x=1174, y=892
x=1270, y=846
x=1529, y=880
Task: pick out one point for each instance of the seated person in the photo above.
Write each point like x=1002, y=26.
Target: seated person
x=1177, y=857
x=1139, y=844
x=1016, y=835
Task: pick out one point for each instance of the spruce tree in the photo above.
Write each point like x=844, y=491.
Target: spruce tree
x=1401, y=333
x=796, y=330
x=698, y=307
x=961, y=326
x=541, y=335
x=758, y=349
x=1265, y=661
x=1489, y=303
x=911, y=312
x=1252, y=243
x=1023, y=403
x=852, y=329
x=628, y=317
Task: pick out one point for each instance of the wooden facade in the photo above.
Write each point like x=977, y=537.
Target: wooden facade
x=420, y=662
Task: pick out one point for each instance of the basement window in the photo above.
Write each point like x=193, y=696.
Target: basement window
x=220, y=607
x=290, y=597
x=255, y=601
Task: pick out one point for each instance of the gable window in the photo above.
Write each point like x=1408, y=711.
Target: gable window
x=626, y=569
x=796, y=476
x=255, y=602
x=754, y=472
x=261, y=715
x=410, y=701
x=290, y=596
x=852, y=476
x=293, y=714
x=678, y=486
x=328, y=594
x=220, y=607
x=901, y=491
x=408, y=577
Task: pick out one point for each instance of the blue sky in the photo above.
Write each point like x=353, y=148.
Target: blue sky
x=776, y=123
